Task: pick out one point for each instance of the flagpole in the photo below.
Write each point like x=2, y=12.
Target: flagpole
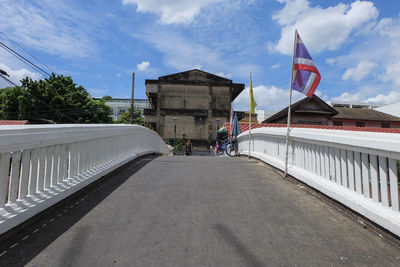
x=249, y=121
x=289, y=108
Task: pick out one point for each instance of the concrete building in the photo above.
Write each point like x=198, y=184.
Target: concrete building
x=195, y=101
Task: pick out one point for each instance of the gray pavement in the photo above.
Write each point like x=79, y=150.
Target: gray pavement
x=197, y=211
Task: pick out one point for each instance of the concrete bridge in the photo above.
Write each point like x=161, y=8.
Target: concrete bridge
x=89, y=195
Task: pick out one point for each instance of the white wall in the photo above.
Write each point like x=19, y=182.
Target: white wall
x=392, y=109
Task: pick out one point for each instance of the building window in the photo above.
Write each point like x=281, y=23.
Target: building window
x=337, y=123
x=385, y=124
x=310, y=122
x=121, y=111
x=360, y=124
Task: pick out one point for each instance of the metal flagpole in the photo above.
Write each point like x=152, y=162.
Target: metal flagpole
x=249, y=120
x=289, y=109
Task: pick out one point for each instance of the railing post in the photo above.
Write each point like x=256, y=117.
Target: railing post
x=4, y=169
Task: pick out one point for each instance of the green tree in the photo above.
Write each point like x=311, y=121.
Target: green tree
x=57, y=99
x=126, y=118
x=106, y=98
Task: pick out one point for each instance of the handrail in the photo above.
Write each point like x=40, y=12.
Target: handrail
x=358, y=169
x=43, y=164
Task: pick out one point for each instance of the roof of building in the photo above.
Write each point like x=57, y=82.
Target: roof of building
x=299, y=104
x=14, y=122
x=244, y=126
x=196, y=76
x=364, y=114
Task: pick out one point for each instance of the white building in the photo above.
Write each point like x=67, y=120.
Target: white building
x=122, y=105
x=263, y=114
x=350, y=104
x=392, y=109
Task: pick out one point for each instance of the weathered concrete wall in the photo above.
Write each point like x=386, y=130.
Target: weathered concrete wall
x=187, y=125
x=177, y=96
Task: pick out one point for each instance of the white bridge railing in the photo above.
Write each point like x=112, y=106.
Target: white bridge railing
x=358, y=169
x=43, y=164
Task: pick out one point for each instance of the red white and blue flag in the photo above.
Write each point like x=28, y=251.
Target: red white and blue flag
x=305, y=74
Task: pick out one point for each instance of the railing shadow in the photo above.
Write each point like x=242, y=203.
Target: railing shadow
x=241, y=250
x=20, y=245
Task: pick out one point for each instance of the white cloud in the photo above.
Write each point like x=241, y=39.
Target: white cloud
x=180, y=52
x=49, y=26
x=362, y=69
x=143, y=66
x=16, y=75
x=393, y=72
x=321, y=29
x=368, y=97
x=171, y=11
x=269, y=98
x=225, y=75
x=276, y=66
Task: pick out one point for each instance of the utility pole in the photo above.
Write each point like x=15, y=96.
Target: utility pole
x=174, y=133
x=133, y=94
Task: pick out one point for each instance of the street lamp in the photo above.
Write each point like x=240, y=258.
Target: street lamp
x=174, y=132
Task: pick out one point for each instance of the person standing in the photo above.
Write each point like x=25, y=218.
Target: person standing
x=188, y=148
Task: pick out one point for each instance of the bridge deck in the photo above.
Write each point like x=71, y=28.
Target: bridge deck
x=196, y=211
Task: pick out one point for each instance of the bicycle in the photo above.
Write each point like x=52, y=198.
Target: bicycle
x=227, y=146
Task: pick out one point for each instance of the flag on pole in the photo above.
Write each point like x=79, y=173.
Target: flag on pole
x=252, y=102
x=306, y=76
x=231, y=119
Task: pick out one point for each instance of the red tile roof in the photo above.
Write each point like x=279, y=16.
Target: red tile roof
x=244, y=126
x=13, y=122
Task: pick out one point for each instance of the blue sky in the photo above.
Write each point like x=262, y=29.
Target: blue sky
x=355, y=44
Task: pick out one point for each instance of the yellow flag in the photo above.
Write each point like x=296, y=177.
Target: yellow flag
x=252, y=102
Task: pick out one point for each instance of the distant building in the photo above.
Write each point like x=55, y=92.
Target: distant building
x=121, y=105
x=264, y=114
x=392, y=109
x=245, y=117
x=364, y=117
x=314, y=111
x=195, y=101
x=311, y=111
x=350, y=104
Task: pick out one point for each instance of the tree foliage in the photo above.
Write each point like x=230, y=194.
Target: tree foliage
x=55, y=99
x=126, y=117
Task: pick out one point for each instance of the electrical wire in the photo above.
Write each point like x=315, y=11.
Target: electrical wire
x=24, y=60
x=9, y=38
x=7, y=80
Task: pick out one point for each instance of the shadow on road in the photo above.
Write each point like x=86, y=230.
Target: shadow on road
x=240, y=249
x=21, y=245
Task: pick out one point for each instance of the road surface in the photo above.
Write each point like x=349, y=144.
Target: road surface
x=197, y=211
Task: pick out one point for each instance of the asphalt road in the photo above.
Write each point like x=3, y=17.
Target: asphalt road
x=196, y=211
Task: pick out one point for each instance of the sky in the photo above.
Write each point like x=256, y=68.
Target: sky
x=354, y=44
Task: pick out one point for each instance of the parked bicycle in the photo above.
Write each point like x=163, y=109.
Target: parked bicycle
x=227, y=147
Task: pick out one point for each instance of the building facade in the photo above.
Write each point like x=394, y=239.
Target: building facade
x=190, y=104
x=121, y=105
x=310, y=111
x=314, y=111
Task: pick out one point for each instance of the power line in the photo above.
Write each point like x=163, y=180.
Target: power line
x=23, y=59
x=25, y=50
x=7, y=80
